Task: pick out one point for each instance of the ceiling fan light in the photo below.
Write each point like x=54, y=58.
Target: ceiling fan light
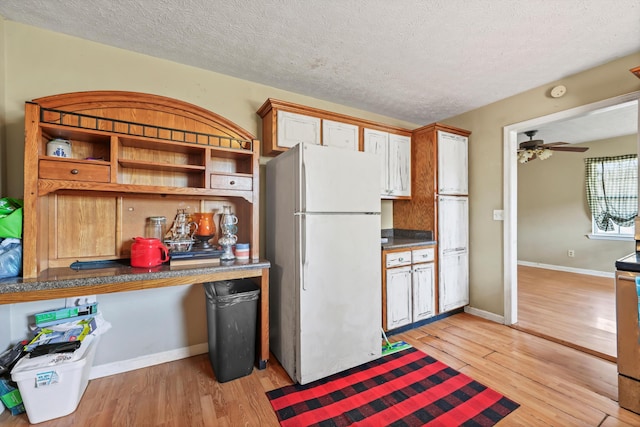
x=525, y=155
x=544, y=154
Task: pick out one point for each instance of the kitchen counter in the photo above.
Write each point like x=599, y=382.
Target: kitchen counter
x=65, y=282
x=399, y=238
x=112, y=277
x=629, y=263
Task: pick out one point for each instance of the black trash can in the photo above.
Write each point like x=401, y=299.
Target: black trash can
x=232, y=311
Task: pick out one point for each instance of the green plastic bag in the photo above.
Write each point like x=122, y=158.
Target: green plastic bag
x=10, y=218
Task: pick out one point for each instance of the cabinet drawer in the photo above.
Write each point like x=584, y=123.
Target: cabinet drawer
x=231, y=182
x=423, y=255
x=51, y=169
x=396, y=259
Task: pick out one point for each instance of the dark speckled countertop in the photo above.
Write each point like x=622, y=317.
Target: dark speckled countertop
x=63, y=278
x=629, y=263
x=400, y=238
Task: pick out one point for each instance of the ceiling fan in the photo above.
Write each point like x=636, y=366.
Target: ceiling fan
x=536, y=148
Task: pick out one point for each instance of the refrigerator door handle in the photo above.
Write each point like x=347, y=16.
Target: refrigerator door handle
x=303, y=249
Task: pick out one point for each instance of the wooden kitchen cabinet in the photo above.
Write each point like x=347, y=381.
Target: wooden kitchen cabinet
x=453, y=163
x=133, y=156
x=439, y=202
x=408, y=289
x=394, y=152
x=453, y=245
x=295, y=128
x=340, y=135
x=398, y=293
x=285, y=124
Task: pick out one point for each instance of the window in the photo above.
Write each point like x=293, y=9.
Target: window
x=612, y=194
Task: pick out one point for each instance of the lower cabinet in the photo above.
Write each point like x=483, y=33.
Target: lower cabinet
x=408, y=286
x=454, y=281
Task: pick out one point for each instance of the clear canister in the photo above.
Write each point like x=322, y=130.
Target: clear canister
x=156, y=227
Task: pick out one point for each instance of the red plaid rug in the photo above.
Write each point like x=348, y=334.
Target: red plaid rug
x=407, y=388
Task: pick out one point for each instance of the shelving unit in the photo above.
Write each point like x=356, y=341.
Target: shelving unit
x=133, y=156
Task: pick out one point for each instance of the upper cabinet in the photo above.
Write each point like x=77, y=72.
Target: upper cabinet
x=440, y=166
x=340, y=135
x=285, y=124
x=453, y=176
x=395, y=161
x=295, y=128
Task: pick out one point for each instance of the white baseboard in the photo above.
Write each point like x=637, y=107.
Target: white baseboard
x=147, y=360
x=484, y=314
x=568, y=269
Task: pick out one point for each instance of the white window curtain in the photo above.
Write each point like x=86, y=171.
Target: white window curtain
x=612, y=190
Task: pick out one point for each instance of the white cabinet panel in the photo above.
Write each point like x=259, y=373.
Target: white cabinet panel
x=398, y=297
x=452, y=163
x=453, y=232
x=340, y=135
x=453, y=224
x=377, y=142
x=454, y=281
x=423, y=255
x=295, y=128
x=399, y=165
x=423, y=291
x=395, y=160
x=396, y=259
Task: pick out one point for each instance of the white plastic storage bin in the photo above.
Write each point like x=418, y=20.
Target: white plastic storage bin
x=55, y=390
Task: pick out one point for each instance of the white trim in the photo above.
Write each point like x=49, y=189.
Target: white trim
x=510, y=193
x=568, y=269
x=147, y=360
x=604, y=236
x=484, y=314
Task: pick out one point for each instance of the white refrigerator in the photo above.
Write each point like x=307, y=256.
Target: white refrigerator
x=323, y=242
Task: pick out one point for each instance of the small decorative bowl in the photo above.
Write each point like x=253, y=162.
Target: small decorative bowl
x=179, y=245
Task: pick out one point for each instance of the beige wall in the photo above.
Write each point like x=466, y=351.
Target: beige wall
x=486, y=168
x=553, y=214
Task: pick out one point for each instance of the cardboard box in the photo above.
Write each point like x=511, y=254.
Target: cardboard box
x=55, y=390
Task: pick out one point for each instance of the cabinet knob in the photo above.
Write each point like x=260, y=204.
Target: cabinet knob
x=232, y=182
x=75, y=171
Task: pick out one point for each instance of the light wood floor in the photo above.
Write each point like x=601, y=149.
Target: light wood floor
x=574, y=309
x=554, y=384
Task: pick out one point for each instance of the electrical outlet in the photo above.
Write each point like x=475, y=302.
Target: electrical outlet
x=498, y=215
x=571, y=253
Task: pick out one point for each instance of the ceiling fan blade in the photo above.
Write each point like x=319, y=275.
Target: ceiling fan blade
x=554, y=144
x=574, y=149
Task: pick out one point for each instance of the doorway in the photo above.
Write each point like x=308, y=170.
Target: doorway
x=510, y=177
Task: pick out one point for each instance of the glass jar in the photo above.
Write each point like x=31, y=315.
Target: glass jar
x=156, y=228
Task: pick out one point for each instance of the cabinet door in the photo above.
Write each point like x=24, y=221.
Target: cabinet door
x=398, y=297
x=399, y=165
x=295, y=128
x=452, y=164
x=454, y=281
x=340, y=135
x=453, y=242
x=377, y=142
x=453, y=224
x=423, y=291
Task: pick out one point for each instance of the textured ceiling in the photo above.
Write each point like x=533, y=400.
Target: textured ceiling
x=609, y=122
x=415, y=60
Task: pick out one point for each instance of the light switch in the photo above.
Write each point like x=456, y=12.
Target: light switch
x=498, y=215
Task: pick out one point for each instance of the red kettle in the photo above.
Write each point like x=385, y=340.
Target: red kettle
x=148, y=252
